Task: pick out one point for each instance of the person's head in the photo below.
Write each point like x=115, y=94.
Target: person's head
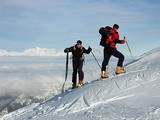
x=79, y=43
x=115, y=26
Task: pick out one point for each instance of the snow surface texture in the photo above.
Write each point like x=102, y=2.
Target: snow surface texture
x=132, y=96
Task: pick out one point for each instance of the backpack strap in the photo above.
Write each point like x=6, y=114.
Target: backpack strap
x=81, y=51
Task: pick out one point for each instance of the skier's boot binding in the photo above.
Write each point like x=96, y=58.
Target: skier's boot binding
x=104, y=74
x=120, y=70
x=80, y=84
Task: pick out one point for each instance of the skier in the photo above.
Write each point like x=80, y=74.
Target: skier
x=112, y=50
x=77, y=62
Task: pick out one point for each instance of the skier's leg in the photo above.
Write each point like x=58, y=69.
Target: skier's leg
x=81, y=74
x=74, y=74
x=106, y=57
x=120, y=56
x=80, y=71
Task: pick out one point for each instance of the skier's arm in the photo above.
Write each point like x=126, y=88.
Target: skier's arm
x=87, y=51
x=68, y=49
x=120, y=41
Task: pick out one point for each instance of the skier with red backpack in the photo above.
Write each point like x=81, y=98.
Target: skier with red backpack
x=109, y=39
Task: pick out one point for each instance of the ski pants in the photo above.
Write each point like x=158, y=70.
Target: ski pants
x=108, y=52
x=77, y=67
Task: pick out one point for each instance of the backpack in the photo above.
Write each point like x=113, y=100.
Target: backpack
x=105, y=34
x=81, y=52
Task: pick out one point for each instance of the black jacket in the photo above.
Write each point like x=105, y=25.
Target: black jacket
x=77, y=53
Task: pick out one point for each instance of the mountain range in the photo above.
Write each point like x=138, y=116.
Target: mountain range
x=37, y=52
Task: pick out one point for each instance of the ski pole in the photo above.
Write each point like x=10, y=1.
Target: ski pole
x=97, y=62
x=66, y=73
x=96, y=59
x=129, y=50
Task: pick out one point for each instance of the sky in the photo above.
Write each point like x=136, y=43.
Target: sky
x=60, y=23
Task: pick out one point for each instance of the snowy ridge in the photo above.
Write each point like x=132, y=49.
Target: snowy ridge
x=132, y=96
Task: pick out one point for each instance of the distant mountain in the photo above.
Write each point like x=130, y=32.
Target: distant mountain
x=38, y=52
x=4, y=103
x=10, y=104
x=33, y=52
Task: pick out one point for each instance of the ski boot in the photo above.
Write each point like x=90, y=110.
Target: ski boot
x=104, y=74
x=74, y=85
x=120, y=70
x=80, y=84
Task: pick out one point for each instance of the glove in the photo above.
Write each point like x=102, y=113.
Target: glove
x=89, y=48
x=66, y=50
x=123, y=41
x=124, y=38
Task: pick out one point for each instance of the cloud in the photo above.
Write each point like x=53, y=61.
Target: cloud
x=33, y=76
x=39, y=75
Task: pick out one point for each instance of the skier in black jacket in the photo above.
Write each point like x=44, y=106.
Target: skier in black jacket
x=77, y=61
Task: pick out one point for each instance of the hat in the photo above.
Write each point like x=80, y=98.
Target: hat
x=79, y=42
x=115, y=26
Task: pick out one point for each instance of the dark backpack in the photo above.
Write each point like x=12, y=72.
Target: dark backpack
x=105, y=34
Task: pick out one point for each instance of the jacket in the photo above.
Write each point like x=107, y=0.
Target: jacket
x=114, y=39
x=77, y=53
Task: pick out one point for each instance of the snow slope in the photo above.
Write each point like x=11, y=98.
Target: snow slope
x=132, y=96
